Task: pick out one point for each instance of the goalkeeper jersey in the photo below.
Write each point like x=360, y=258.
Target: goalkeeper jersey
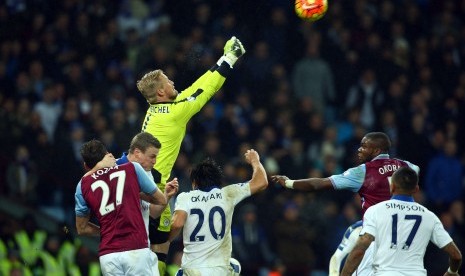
x=167, y=121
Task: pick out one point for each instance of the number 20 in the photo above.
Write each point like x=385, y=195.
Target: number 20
x=199, y=212
x=412, y=234
x=106, y=207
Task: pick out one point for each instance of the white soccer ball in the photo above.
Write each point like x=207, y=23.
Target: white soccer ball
x=235, y=267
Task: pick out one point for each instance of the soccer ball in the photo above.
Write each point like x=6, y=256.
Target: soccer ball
x=311, y=10
x=235, y=267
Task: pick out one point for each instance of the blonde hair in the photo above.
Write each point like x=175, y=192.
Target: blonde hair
x=149, y=82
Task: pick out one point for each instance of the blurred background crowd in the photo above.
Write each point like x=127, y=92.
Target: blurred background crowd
x=303, y=96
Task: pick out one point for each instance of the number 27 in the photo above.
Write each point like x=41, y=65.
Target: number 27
x=106, y=207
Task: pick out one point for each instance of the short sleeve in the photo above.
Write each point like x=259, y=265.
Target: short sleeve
x=413, y=167
x=181, y=202
x=146, y=184
x=369, y=222
x=440, y=237
x=352, y=179
x=237, y=192
x=80, y=207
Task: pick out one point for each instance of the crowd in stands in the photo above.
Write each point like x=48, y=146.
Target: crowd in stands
x=303, y=96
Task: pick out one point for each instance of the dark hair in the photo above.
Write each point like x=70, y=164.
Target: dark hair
x=207, y=174
x=380, y=140
x=144, y=140
x=405, y=178
x=92, y=152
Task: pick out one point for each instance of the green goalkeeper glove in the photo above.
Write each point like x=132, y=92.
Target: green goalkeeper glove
x=233, y=50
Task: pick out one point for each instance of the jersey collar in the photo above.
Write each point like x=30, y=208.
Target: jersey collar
x=382, y=156
x=403, y=198
x=123, y=159
x=208, y=189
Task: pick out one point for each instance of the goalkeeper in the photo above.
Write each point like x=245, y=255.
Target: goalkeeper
x=167, y=118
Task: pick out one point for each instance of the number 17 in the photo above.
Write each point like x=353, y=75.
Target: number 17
x=410, y=237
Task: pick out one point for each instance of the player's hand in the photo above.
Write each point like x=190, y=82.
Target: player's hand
x=281, y=179
x=451, y=274
x=233, y=49
x=251, y=156
x=171, y=188
x=108, y=161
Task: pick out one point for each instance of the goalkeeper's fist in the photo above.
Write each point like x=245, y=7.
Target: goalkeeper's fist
x=233, y=49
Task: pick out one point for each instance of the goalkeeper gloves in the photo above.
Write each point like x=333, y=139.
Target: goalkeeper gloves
x=233, y=50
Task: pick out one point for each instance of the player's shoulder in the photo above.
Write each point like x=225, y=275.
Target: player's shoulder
x=378, y=207
x=355, y=227
x=413, y=166
x=232, y=188
x=183, y=196
x=235, y=185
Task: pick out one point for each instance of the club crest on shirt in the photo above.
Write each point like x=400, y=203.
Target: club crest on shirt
x=166, y=222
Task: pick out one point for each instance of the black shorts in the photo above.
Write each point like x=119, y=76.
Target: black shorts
x=156, y=236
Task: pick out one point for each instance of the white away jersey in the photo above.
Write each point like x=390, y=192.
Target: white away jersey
x=345, y=247
x=402, y=231
x=207, y=230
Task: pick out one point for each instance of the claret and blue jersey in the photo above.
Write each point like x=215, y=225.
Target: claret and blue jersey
x=112, y=194
x=371, y=179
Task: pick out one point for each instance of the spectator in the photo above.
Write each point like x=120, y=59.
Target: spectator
x=250, y=243
x=366, y=94
x=312, y=77
x=49, y=109
x=293, y=241
x=22, y=177
x=444, y=177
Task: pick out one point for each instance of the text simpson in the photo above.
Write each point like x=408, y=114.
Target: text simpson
x=406, y=207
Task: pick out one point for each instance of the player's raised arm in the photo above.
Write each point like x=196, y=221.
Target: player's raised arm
x=309, y=184
x=259, y=180
x=203, y=89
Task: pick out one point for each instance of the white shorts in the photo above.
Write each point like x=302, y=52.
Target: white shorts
x=205, y=271
x=133, y=262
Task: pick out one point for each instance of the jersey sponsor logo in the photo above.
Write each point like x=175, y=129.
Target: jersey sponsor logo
x=103, y=171
x=206, y=198
x=388, y=168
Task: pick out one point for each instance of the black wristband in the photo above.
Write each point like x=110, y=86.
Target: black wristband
x=224, y=69
x=214, y=68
